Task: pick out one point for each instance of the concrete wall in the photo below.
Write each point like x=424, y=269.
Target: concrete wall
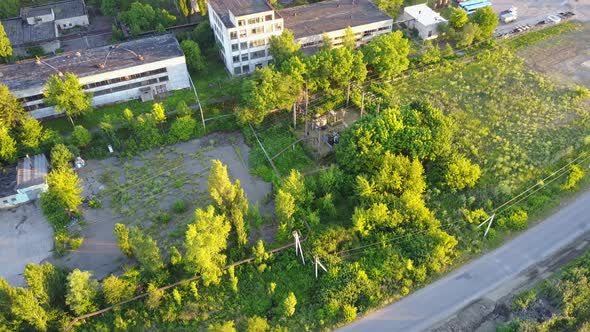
x=177, y=79
x=41, y=18
x=48, y=47
x=70, y=22
x=361, y=32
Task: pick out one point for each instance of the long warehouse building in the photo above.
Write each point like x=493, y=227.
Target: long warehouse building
x=138, y=69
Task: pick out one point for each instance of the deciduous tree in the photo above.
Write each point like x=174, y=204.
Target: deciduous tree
x=388, y=54
x=461, y=173
x=487, y=20
x=61, y=156
x=31, y=133
x=65, y=186
x=82, y=291
x=458, y=18
x=115, y=289
x=109, y=7
x=206, y=239
x=283, y=47
x=146, y=251
x=5, y=45
x=184, y=7
x=25, y=306
x=81, y=136
x=46, y=282
x=257, y=324
x=67, y=95
x=154, y=297
x=194, y=57
x=11, y=111
x=7, y=146
x=349, y=40
x=122, y=234
x=391, y=7
x=229, y=199
x=9, y=8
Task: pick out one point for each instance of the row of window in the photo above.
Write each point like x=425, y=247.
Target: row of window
x=124, y=78
x=255, y=20
x=337, y=40
x=253, y=56
x=243, y=33
x=109, y=90
x=245, y=69
x=245, y=45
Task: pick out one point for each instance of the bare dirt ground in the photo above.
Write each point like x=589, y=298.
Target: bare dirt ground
x=532, y=11
x=25, y=236
x=565, y=58
x=138, y=191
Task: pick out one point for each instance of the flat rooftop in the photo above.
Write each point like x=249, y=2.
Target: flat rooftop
x=31, y=171
x=424, y=14
x=62, y=9
x=238, y=8
x=28, y=74
x=326, y=16
x=21, y=33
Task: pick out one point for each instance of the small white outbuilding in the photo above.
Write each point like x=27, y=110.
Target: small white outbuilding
x=423, y=19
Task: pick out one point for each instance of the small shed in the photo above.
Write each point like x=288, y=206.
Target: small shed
x=423, y=19
x=26, y=183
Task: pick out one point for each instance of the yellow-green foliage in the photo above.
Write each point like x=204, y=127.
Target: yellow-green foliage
x=576, y=174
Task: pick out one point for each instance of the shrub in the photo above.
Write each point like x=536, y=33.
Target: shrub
x=60, y=156
x=462, y=173
x=81, y=136
x=349, y=313
x=179, y=206
x=164, y=217
x=576, y=174
x=516, y=221
x=183, y=128
x=76, y=242
x=523, y=300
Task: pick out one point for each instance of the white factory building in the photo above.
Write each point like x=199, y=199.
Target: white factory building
x=423, y=19
x=138, y=69
x=243, y=27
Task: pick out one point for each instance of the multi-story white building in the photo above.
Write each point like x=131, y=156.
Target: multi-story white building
x=310, y=23
x=243, y=29
x=138, y=69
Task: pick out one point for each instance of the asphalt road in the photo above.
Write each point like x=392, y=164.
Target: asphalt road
x=439, y=300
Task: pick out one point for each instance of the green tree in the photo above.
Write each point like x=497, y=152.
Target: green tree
x=260, y=254
x=5, y=45
x=61, y=156
x=81, y=136
x=67, y=96
x=388, y=54
x=7, y=146
x=461, y=173
x=257, y=324
x=229, y=199
x=26, y=307
x=283, y=47
x=140, y=17
x=390, y=7
x=205, y=241
x=11, y=111
x=146, y=251
x=182, y=109
x=145, y=132
x=115, y=290
x=184, y=7
x=266, y=90
x=65, y=186
x=46, y=282
x=202, y=7
x=154, y=297
x=349, y=40
x=9, y=8
x=469, y=34
x=431, y=54
x=458, y=18
x=122, y=234
x=448, y=51
x=175, y=256
x=159, y=113
x=109, y=7
x=203, y=35
x=487, y=20
x=295, y=68
x=284, y=209
x=31, y=133
x=183, y=128
x=82, y=291
x=194, y=58
x=222, y=327
x=288, y=305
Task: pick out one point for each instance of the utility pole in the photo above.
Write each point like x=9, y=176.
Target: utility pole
x=348, y=94
x=306, y=105
x=295, y=116
x=362, y=104
x=490, y=220
x=317, y=262
x=298, y=249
